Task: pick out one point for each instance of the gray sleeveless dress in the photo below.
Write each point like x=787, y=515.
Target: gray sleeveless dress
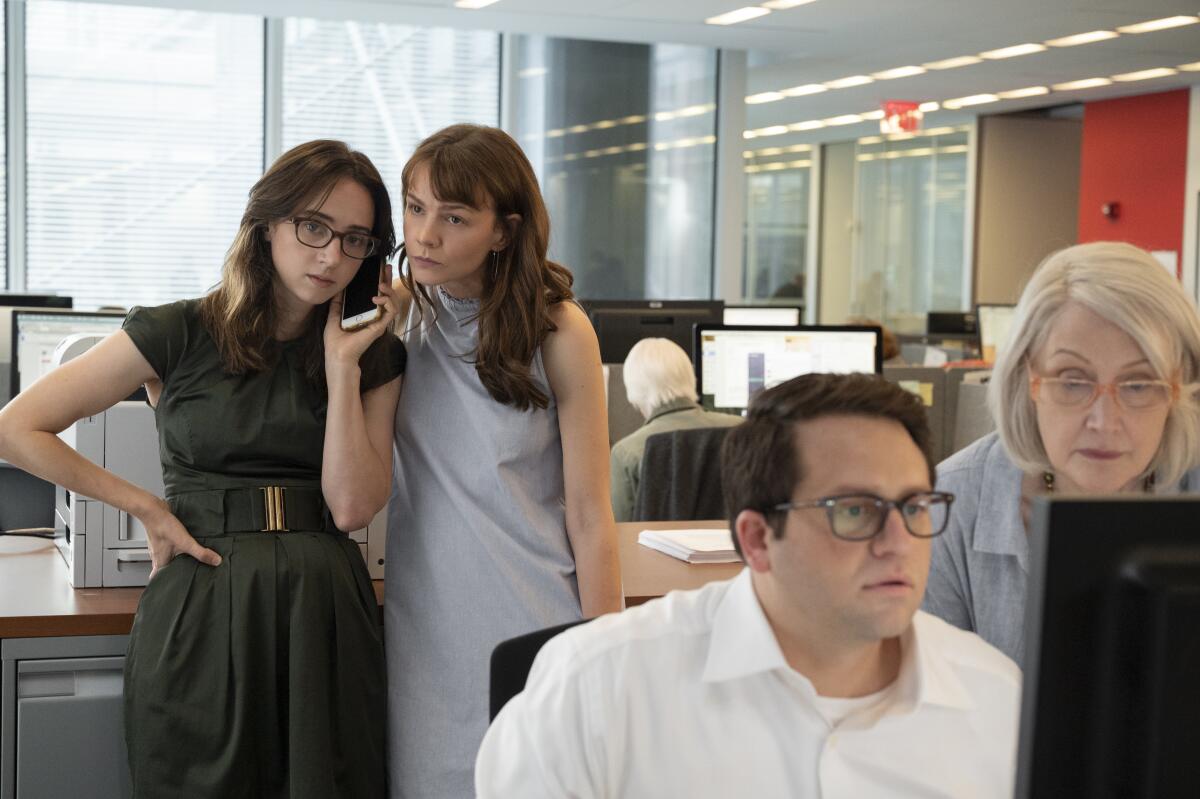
x=477, y=549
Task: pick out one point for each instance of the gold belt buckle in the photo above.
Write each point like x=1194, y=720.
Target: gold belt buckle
x=273, y=504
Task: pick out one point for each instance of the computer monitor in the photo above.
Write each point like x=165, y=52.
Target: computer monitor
x=762, y=315
x=13, y=300
x=1112, y=650
x=622, y=323
x=937, y=322
x=735, y=362
x=995, y=321
x=36, y=334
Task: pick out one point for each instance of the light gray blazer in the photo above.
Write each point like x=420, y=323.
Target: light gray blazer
x=980, y=564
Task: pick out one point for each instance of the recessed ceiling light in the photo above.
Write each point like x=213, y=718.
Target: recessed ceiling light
x=974, y=99
x=1159, y=24
x=844, y=119
x=811, y=124
x=847, y=82
x=1015, y=50
x=800, y=91
x=473, y=4
x=898, y=72
x=738, y=15
x=1145, y=74
x=872, y=115
x=1192, y=67
x=764, y=97
x=532, y=72
x=1086, y=83
x=952, y=63
x=1030, y=91
x=1082, y=38
x=773, y=130
x=781, y=5
x=926, y=108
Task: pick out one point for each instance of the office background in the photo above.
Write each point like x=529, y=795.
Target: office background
x=679, y=160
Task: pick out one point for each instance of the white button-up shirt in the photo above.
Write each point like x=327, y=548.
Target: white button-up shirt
x=691, y=696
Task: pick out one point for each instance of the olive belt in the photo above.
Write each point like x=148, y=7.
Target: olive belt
x=266, y=509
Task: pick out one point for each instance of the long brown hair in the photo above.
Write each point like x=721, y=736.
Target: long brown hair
x=240, y=313
x=475, y=165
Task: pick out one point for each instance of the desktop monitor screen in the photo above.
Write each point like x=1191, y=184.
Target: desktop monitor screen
x=36, y=334
x=733, y=363
x=938, y=322
x=622, y=323
x=995, y=321
x=1112, y=649
x=762, y=315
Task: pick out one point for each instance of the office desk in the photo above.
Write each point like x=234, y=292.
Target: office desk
x=37, y=601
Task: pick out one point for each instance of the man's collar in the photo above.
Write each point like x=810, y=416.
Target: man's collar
x=743, y=644
x=672, y=406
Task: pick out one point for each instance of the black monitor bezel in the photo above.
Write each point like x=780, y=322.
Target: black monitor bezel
x=634, y=307
x=699, y=331
x=17, y=313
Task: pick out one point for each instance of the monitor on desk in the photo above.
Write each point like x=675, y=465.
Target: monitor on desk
x=1112, y=650
x=762, y=315
x=952, y=322
x=995, y=321
x=622, y=323
x=735, y=362
x=13, y=300
x=36, y=334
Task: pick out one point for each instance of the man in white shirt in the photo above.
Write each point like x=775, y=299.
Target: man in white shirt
x=812, y=673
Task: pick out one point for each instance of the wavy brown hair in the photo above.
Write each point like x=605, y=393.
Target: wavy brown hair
x=483, y=167
x=240, y=313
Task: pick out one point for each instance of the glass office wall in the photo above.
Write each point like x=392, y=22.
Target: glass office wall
x=622, y=137
x=776, y=240
x=910, y=208
x=144, y=130
x=383, y=88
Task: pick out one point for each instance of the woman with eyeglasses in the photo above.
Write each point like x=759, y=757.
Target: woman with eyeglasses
x=500, y=523
x=255, y=665
x=1095, y=393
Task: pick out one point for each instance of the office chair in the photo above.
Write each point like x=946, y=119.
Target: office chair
x=511, y=661
x=681, y=476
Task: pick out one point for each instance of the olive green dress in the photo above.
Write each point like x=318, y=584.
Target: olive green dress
x=264, y=676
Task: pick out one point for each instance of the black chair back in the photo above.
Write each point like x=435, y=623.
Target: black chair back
x=680, y=476
x=511, y=661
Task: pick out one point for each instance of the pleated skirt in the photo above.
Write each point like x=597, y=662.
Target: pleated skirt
x=261, y=677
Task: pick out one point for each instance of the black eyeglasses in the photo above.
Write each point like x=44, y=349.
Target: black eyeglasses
x=859, y=517
x=314, y=233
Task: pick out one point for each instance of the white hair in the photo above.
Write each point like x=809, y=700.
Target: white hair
x=656, y=371
x=1128, y=287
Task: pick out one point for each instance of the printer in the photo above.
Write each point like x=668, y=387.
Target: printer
x=106, y=547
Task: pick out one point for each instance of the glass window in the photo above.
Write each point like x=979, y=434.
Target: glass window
x=777, y=193
x=622, y=137
x=383, y=88
x=910, y=205
x=144, y=132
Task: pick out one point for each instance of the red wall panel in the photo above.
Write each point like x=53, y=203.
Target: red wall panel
x=1134, y=153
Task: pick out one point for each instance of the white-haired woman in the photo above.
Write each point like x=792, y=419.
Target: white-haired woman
x=661, y=384
x=1094, y=393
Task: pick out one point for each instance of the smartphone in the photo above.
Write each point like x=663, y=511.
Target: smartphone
x=357, y=308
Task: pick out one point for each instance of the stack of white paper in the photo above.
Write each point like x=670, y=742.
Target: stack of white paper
x=694, y=546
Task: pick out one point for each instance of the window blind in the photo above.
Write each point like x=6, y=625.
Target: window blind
x=144, y=134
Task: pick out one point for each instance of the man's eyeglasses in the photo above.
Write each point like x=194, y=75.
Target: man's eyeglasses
x=859, y=517
x=314, y=233
x=1079, y=392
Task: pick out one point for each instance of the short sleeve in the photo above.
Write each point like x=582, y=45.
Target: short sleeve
x=161, y=334
x=383, y=362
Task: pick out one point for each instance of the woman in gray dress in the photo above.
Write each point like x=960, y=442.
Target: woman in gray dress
x=1094, y=393
x=500, y=521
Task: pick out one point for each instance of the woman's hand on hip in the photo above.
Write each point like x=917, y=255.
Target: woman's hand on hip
x=167, y=538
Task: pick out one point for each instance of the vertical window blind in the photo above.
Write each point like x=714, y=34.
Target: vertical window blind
x=144, y=132
x=383, y=88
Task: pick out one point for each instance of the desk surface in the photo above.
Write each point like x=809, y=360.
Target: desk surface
x=37, y=601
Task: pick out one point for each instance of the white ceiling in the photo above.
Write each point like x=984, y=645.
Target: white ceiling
x=830, y=39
